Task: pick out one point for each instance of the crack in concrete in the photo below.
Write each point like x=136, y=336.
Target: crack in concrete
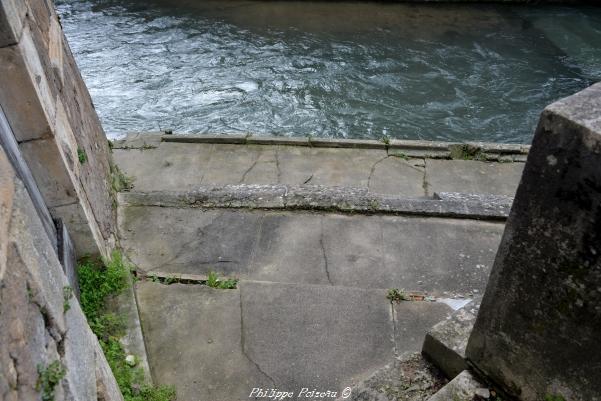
x=248, y=170
x=323, y=251
x=425, y=184
x=308, y=179
x=373, y=169
x=243, y=342
x=209, y=159
x=277, y=165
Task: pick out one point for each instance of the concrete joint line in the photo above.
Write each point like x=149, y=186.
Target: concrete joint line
x=243, y=343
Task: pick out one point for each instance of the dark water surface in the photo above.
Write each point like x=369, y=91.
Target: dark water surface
x=356, y=70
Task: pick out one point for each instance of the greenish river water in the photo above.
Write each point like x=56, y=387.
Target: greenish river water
x=332, y=69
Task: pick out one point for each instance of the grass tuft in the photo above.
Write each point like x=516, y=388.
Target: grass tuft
x=67, y=295
x=396, y=295
x=82, y=155
x=48, y=378
x=214, y=281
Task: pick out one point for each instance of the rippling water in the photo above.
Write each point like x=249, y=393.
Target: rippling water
x=356, y=70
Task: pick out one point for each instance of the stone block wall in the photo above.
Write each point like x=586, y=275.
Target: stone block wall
x=52, y=117
x=36, y=328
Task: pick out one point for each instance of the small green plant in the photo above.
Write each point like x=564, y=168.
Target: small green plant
x=67, y=295
x=82, y=155
x=119, y=181
x=214, y=281
x=147, y=146
x=396, y=295
x=385, y=140
x=48, y=377
x=171, y=280
x=154, y=278
x=401, y=155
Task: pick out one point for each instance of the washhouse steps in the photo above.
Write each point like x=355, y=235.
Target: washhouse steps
x=312, y=306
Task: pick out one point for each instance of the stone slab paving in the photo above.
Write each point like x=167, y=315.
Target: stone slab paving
x=193, y=339
x=220, y=344
x=173, y=166
x=415, y=253
x=311, y=308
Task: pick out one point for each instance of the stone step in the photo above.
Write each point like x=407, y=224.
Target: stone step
x=328, y=199
x=407, y=169
x=218, y=345
x=438, y=256
x=446, y=342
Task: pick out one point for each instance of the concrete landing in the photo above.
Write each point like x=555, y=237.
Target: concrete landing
x=434, y=255
x=220, y=344
x=158, y=165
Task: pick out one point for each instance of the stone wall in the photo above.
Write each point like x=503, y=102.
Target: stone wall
x=52, y=116
x=39, y=325
x=537, y=331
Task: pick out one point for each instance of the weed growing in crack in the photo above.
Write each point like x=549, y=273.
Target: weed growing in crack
x=48, y=378
x=67, y=295
x=396, y=295
x=82, y=155
x=401, y=155
x=98, y=282
x=119, y=181
x=214, y=281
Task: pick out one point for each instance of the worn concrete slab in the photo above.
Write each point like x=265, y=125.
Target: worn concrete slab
x=177, y=166
x=435, y=255
x=194, y=340
x=413, y=319
x=473, y=176
x=181, y=166
x=288, y=250
x=220, y=344
x=316, y=336
x=190, y=240
x=427, y=254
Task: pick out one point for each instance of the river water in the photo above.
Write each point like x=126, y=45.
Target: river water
x=331, y=69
